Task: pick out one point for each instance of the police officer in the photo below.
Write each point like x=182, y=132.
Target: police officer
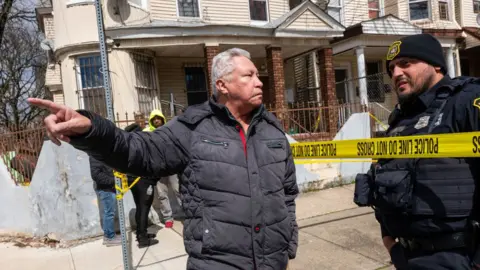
x=425, y=206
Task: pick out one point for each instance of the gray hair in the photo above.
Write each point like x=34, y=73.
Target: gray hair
x=222, y=65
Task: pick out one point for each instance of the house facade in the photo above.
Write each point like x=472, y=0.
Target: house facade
x=360, y=53
x=309, y=53
x=161, y=50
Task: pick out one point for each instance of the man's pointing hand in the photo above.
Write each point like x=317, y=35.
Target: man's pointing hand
x=63, y=121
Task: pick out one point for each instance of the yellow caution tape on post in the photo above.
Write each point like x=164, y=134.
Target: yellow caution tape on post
x=420, y=146
x=124, y=188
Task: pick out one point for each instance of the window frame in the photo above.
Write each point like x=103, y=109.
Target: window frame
x=478, y=5
x=379, y=10
x=154, y=89
x=340, y=10
x=429, y=10
x=200, y=15
x=448, y=10
x=267, y=11
x=78, y=76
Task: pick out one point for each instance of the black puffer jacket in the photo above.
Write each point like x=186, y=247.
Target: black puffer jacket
x=238, y=199
x=102, y=175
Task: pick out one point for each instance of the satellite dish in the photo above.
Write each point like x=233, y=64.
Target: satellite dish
x=478, y=19
x=47, y=45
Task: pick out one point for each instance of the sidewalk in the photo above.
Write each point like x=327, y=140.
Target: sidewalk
x=312, y=208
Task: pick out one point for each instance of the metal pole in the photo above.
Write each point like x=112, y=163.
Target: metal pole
x=111, y=117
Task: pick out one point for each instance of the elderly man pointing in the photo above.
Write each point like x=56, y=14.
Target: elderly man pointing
x=238, y=182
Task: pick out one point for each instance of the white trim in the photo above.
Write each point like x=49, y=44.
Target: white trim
x=449, y=11
x=429, y=8
x=267, y=10
x=72, y=3
x=187, y=18
x=382, y=7
x=78, y=76
x=379, y=9
x=341, y=11
x=363, y=40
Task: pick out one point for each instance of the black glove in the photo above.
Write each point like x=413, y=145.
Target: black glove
x=397, y=254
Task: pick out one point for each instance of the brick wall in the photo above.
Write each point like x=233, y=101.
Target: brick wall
x=53, y=74
x=276, y=76
x=210, y=53
x=327, y=86
x=49, y=26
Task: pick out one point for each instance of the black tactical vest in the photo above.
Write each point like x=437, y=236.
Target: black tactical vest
x=440, y=187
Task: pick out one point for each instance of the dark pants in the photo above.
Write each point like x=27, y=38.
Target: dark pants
x=418, y=260
x=143, y=203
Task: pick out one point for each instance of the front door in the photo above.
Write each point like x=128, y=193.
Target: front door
x=195, y=81
x=341, y=85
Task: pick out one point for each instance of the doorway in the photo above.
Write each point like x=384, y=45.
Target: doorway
x=341, y=85
x=196, y=85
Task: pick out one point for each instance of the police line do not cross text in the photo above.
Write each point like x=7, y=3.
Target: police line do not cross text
x=422, y=146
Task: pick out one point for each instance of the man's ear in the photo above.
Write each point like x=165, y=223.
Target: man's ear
x=221, y=87
x=438, y=69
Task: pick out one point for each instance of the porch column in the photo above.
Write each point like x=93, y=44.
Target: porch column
x=450, y=62
x=327, y=87
x=210, y=52
x=276, y=76
x=362, y=75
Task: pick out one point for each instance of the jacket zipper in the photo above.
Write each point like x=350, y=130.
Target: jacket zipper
x=225, y=144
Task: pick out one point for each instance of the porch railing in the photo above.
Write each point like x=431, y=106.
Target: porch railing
x=309, y=121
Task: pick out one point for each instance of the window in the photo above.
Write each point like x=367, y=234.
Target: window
x=476, y=6
x=188, y=8
x=146, y=83
x=335, y=10
x=91, y=93
x=139, y=3
x=373, y=9
x=419, y=9
x=258, y=10
x=195, y=82
x=443, y=9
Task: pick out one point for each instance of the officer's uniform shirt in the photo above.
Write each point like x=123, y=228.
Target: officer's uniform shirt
x=458, y=115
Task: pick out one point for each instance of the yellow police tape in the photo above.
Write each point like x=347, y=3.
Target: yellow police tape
x=124, y=178
x=422, y=146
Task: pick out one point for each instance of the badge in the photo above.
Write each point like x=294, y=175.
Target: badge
x=476, y=103
x=439, y=120
x=393, y=50
x=422, y=122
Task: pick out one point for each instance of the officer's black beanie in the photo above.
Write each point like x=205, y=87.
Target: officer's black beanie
x=423, y=47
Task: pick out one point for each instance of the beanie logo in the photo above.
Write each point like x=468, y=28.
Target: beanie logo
x=393, y=50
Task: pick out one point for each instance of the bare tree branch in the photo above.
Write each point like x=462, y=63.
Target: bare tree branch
x=22, y=74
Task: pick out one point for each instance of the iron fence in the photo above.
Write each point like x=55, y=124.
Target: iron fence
x=310, y=121
x=19, y=151
x=380, y=95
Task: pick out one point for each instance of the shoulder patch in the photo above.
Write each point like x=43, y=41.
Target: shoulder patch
x=476, y=103
x=393, y=50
